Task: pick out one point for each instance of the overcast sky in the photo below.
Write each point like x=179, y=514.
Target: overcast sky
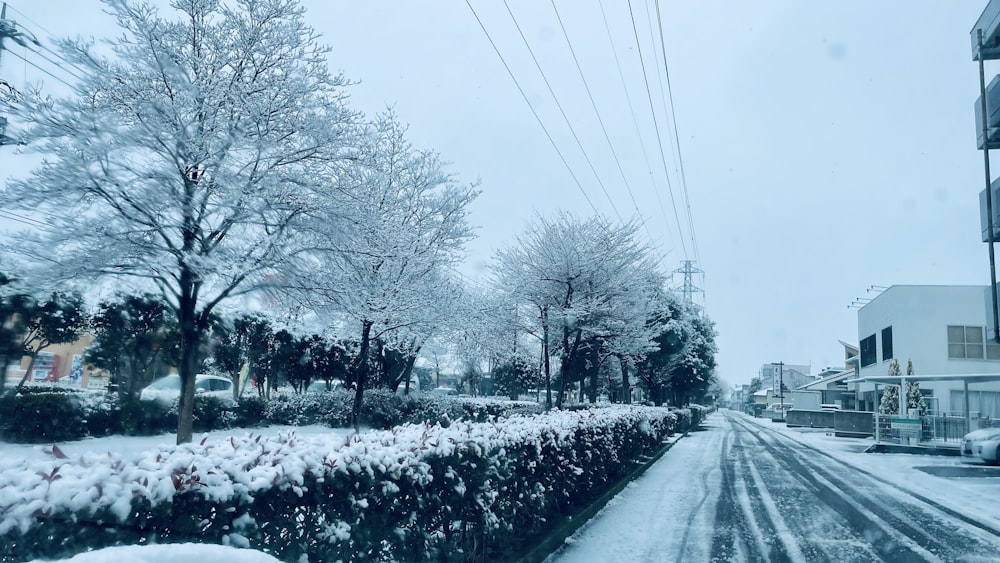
x=827, y=145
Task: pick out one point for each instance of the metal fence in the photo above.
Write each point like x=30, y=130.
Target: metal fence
x=934, y=428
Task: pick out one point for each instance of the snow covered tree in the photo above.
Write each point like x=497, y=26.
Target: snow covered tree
x=243, y=342
x=186, y=163
x=914, y=398
x=132, y=334
x=691, y=379
x=58, y=320
x=515, y=376
x=670, y=322
x=574, y=273
x=404, y=226
x=15, y=313
x=890, y=396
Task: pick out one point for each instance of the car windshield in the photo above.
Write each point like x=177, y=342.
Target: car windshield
x=563, y=281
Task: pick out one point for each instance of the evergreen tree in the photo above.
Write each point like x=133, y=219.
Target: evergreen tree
x=914, y=399
x=890, y=397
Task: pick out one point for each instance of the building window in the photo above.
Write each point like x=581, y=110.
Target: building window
x=887, y=343
x=868, y=356
x=965, y=342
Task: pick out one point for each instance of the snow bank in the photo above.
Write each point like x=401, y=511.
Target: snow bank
x=170, y=553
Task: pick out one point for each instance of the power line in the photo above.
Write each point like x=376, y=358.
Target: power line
x=635, y=120
x=39, y=68
x=656, y=126
x=21, y=218
x=533, y=111
x=600, y=120
x=561, y=111
x=673, y=114
x=25, y=16
x=54, y=63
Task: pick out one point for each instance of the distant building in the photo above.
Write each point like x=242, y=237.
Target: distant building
x=789, y=375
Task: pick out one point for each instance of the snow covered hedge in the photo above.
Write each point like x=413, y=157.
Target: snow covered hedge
x=472, y=490
x=47, y=414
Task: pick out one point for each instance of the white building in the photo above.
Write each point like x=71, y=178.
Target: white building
x=943, y=330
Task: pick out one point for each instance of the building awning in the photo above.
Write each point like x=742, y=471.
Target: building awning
x=958, y=377
x=835, y=378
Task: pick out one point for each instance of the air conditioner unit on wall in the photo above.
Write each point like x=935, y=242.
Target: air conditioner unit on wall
x=989, y=22
x=992, y=113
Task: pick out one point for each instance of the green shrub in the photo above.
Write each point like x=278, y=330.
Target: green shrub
x=38, y=417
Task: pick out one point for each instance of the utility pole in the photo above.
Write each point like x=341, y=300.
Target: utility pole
x=7, y=29
x=781, y=384
x=688, y=289
x=989, y=184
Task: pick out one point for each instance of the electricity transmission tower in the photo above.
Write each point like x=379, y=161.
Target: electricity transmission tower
x=688, y=271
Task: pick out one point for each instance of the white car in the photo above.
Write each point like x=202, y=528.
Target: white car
x=168, y=388
x=982, y=445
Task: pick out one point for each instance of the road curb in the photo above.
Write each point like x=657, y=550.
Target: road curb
x=555, y=539
x=916, y=450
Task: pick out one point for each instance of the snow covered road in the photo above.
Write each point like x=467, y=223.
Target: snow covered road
x=739, y=491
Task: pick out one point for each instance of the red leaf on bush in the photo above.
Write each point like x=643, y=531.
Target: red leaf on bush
x=177, y=481
x=203, y=440
x=55, y=451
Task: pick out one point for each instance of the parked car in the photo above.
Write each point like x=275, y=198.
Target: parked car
x=445, y=391
x=168, y=388
x=982, y=445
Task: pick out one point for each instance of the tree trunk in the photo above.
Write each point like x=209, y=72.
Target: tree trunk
x=626, y=392
x=545, y=358
x=190, y=333
x=27, y=372
x=4, y=360
x=362, y=374
x=408, y=370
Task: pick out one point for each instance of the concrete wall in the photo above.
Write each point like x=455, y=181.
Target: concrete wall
x=853, y=424
x=810, y=419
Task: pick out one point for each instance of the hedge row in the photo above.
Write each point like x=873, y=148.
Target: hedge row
x=472, y=491
x=46, y=414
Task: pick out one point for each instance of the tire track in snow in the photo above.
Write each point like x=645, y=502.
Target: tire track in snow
x=864, y=526
x=785, y=535
x=737, y=535
x=899, y=528
x=682, y=549
x=696, y=513
x=926, y=519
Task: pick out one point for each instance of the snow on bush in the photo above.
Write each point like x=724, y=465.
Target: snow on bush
x=410, y=493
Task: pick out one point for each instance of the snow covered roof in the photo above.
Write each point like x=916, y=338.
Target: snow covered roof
x=895, y=379
x=762, y=392
x=839, y=376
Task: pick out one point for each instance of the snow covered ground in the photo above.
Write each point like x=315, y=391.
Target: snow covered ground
x=751, y=490
x=170, y=553
x=132, y=447
x=909, y=471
